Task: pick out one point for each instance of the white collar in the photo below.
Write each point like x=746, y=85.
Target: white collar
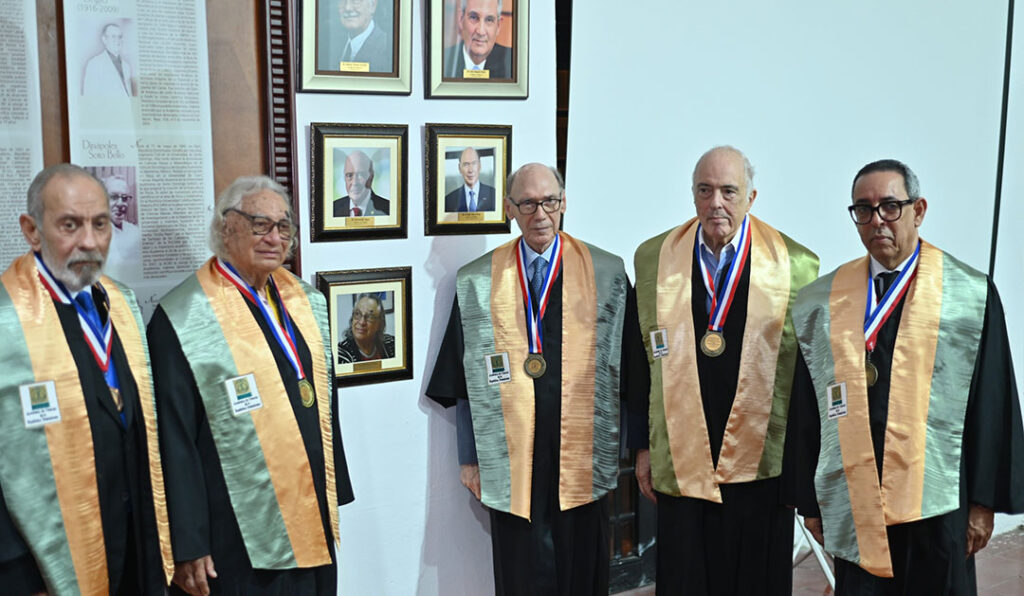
x=356, y=43
x=877, y=267
x=531, y=255
x=475, y=188
x=361, y=205
x=468, y=62
x=705, y=250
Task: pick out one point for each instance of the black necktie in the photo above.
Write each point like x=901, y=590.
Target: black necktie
x=883, y=281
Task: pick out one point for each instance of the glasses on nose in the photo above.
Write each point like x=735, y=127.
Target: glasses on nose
x=529, y=206
x=261, y=226
x=862, y=213
x=366, y=317
x=118, y=197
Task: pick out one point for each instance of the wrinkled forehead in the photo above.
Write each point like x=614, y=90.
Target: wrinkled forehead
x=483, y=7
x=369, y=305
x=267, y=203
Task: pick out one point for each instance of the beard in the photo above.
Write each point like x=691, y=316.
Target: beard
x=82, y=269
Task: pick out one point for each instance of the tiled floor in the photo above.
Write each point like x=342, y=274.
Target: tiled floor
x=1000, y=570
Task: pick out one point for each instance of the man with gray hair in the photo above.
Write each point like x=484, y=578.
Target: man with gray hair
x=81, y=486
x=360, y=201
x=124, y=260
x=714, y=296
x=244, y=385
x=541, y=344
x=476, y=55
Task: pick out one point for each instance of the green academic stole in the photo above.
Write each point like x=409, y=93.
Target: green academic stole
x=681, y=461
x=932, y=366
x=261, y=452
x=49, y=472
x=594, y=286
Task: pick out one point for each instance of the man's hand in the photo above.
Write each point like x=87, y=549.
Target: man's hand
x=191, y=575
x=642, y=469
x=979, y=528
x=813, y=525
x=469, y=474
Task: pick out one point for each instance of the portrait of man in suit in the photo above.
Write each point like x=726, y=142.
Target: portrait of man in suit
x=360, y=201
x=472, y=195
x=362, y=43
x=478, y=23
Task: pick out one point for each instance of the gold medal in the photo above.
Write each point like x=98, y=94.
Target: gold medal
x=871, y=372
x=712, y=344
x=307, y=393
x=535, y=366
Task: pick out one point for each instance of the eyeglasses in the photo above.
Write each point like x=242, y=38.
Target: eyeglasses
x=365, y=317
x=116, y=196
x=261, y=226
x=862, y=213
x=529, y=206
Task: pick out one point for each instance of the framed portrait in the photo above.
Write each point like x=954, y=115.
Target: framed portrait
x=477, y=49
x=370, y=313
x=355, y=46
x=358, y=181
x=465, y=175
x=124, y=256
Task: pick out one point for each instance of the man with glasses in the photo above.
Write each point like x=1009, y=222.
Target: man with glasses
x=124, y=261
x=715, y=295
x=541, y=343
x=905, y=428
x=243, y=374
x=364, y=338
x=361, y=201
x=472, y=195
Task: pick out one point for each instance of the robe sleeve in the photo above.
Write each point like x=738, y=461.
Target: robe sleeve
x=342, y=481
x=635, y=380
x=448, y=385
x=803, y=443
x=19, y=573
x=180, y=414
x=993, y=438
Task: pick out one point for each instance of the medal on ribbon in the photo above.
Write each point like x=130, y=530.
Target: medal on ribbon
x=96, y=337
x=535, y=366
x=878, y=311
x=285, y=335
x=713, y=342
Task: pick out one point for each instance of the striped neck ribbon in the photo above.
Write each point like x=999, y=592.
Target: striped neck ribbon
x=720, y=305
x=533, y=317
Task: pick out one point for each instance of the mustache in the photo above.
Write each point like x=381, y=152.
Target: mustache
x=85, y=257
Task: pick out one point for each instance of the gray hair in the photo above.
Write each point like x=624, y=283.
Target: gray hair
x=910, y=182
x=114, y=177
x=231, y=198
x=554, y=172
x=380, y=306
x=462, y=4
x=34, y=205
x=748, y=168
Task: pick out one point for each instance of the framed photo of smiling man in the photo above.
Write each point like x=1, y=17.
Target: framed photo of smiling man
x=370, y=312
x=477, y=49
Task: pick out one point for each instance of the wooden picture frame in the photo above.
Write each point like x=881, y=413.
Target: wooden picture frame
x=370, y=312
x=497, y=36
x=355, y=46
x=358, y=181
x=451, y=206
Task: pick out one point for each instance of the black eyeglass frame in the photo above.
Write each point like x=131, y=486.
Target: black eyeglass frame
x=555, y=201
x=292, y=226
x=877, y=209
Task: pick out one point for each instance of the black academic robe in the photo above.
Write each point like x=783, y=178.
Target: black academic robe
x=927, y=555
x=559, y=552
x=122, y=475
x=199, y=508
x=743, y=545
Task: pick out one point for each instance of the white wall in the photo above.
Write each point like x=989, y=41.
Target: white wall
x=413, y=528
x=811, y=91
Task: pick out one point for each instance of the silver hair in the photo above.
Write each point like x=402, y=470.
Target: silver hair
x=748, y=168
x=462, y=4
x=34, y=205
x=554, y=172
x=231, y=198
x=113, y=177
x=380, y=306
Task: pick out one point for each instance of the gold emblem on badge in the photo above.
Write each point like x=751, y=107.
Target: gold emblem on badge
x=712, y=344
x=307, y=393
x=871, y=372
x=535, y=366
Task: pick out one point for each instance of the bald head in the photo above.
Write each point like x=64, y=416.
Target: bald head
x=358, y=176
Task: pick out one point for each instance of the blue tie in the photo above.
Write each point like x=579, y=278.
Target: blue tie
x=537, y=278
x=84, y=299
x=472, y=201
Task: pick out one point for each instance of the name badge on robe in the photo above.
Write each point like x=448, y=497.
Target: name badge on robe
x=244, y=395
x=498, y=369
x=39, y=403
x=836, y=400
x=659, y=343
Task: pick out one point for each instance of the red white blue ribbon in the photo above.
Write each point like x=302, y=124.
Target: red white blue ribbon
x=534, y=334
x=720, y=307
x=877, y=313
x=285, y=336
x=97, y=338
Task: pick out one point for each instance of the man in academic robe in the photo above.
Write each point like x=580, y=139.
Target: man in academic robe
x=360, y=201
x=905, y=424
x=536, y=381
x=81, y=485
x=714, y=296
x=472, y=195
x=479, y=22
x=242, y=368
